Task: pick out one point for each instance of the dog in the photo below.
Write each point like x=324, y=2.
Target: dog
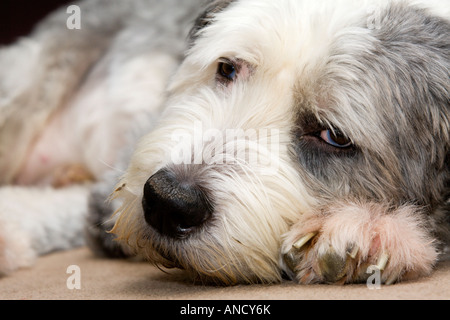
x=242, y=141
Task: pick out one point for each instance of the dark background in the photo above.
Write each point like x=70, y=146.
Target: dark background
x=18, y=17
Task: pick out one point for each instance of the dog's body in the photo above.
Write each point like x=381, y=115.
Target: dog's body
x=310, y=139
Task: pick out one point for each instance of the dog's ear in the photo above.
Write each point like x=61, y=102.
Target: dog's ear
x=212, y=8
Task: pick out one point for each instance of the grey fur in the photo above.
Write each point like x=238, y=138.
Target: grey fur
x=207, y=17
x=405, y=153
x=386, y=89
x=392, y=101
x=98, y=221
x=62, y=62
x=69, y=57
x=402, y=156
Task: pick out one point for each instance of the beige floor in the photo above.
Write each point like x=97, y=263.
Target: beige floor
x=119, y=279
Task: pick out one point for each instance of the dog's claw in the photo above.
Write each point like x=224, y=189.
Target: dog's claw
x=290, y=261
x=353, y=251
x=295, y=254
x=330, y=266
x=303, y=240
x=382, y=261
x=391, y=280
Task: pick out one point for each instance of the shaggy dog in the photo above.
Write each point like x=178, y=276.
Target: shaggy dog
x=296, y=138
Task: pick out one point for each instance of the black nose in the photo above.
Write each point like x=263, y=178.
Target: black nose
x=175, y=208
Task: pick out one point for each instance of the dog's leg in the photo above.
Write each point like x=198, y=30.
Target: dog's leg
x=35, y=221
x=346, y=243
x=41, y=72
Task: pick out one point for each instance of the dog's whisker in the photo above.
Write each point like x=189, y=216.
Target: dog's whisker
x=112, y=167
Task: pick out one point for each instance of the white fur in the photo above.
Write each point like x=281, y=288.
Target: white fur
x=77, y=98
x=285, y=44
x=280, y=42
x=35, y=221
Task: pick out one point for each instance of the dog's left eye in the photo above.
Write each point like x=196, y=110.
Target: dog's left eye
x=335, y=138
x=226, y=70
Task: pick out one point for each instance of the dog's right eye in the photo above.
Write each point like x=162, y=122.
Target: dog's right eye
x=335, y=138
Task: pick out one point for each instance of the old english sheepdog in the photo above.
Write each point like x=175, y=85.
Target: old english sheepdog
x=240, y=140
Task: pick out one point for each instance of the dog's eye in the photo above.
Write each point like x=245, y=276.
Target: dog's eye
x=227, y=70
x=335, y=138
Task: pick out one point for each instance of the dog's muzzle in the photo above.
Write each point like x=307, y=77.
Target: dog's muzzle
x=175, y=207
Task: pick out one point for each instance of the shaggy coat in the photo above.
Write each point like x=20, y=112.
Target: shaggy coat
x=298, y=139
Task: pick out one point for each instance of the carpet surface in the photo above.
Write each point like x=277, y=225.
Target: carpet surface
x=104, y=279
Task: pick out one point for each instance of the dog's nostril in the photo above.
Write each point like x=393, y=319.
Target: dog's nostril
x=173, y=207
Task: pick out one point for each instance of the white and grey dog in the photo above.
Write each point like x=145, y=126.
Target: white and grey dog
x=307, y=139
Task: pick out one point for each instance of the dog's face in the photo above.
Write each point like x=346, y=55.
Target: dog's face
x=282, y=108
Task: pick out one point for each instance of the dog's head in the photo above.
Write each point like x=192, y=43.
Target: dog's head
x=282, y=108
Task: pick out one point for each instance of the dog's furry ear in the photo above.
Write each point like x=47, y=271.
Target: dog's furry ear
x=212, y=8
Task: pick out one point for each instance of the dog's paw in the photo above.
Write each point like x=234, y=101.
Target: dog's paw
x=15, y=249
x=348, y=244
